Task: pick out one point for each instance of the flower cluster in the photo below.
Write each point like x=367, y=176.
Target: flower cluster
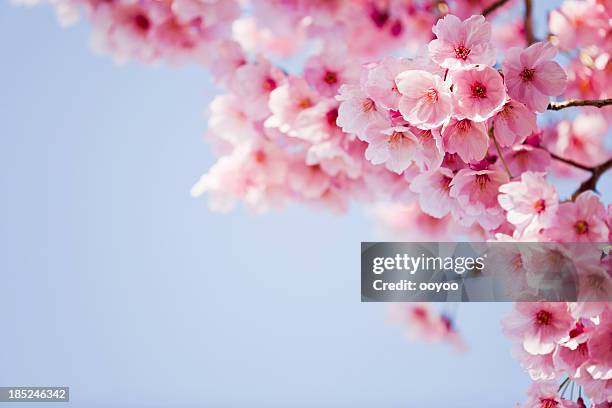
x=557, y=340
x=454, y=140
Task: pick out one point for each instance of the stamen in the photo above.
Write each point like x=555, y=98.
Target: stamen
x=581, y=227
x=540, y=205
x=479, y=90
x=461, y=52
x=527, y=74
x=543, y=317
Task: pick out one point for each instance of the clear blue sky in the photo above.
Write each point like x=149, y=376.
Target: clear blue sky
x=118, y=284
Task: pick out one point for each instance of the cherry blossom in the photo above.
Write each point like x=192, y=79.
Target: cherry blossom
x=532, y=76
x=330, y=103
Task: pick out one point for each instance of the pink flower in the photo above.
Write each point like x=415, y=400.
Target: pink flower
x=380, y=81
x=539, y=326
x=461, y=43
x=531, y=203
x=540, y=367
x=325, y=72
x=309, y=181
x=434, y=191
x=288, y=102
x=544, y=394
x=600, y=350
x=357, y=110
x=513, y=123
x=476, y=193
x=337, y=157
x=532, y=76
x=422, y=323
x=466, y=138
x=581, y=221
x=478, y=93
x=318, y=123
x=426, y=99
x=579, y=22
x=253, y=83
x=581, y=139
x=395, y=147
x=525, y=157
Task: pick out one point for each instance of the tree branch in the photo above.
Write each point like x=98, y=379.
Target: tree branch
x=596, y=173
x=494, y=6
x=591, y=182
x=571, y=162
x=529, y=23
x=598, y=103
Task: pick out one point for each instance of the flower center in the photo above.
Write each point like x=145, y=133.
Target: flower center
x=330, y=77
x=397, y=28
x=540, y=205
x=431, y=95
x=543, y=318
x=464, y=125
x=581, y=227
x=260, y=156
x=479, y=90
x=548, y=403
x=269, y=84
x=461, y=52
x=527, y=74
x=395, y=137
x=379, y=17
x=142, y=22
x=331, y=116
x=445, y=183
x=577, y=331
x=304, y=103
x=482, y=180
x=367, y=105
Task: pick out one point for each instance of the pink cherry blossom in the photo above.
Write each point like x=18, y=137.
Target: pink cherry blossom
x=532, y=76
x=539, y=326
x=395, y=147
x=357, y=110
x=476, y=193
x=531, y=203
x=466, y=138
x=288, y=102
x=513, y=123
x=461, y=43
x=425, y=99
x=544, y=395
x=580, y=221
x=253, y=83
x=380, y=82
x=434, y=191
x=325, y=72
x=478, y=93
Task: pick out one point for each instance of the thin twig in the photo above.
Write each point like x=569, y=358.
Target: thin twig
x=598, y=103
x=571, y=162
x=499, y=152
x=529, y=23
x=493, y=7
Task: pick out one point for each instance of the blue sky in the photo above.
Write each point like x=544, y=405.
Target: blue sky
x=120, y=285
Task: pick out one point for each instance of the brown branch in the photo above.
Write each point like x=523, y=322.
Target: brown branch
x=571, y=162
x=591, y=182
x=598, y=103
x=529, y=23
x=494, y=6
x=596, y=173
